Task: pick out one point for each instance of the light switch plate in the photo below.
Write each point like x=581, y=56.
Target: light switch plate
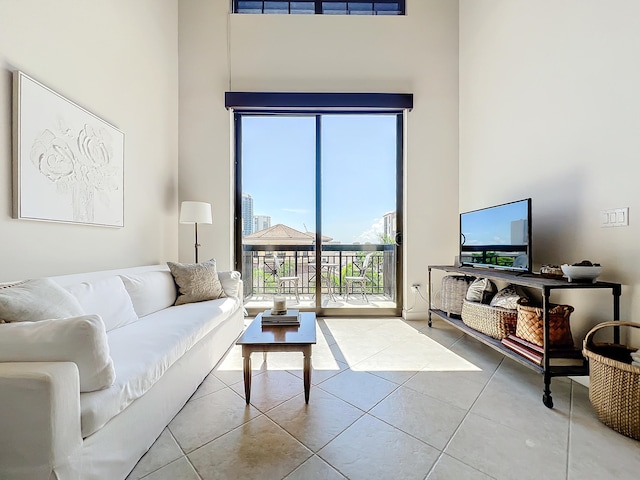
x=615, y=217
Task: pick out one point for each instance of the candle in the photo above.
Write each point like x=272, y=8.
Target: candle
x=279, y=305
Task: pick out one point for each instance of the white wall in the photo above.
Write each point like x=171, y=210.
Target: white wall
x=549, y=104
x=206, y=171
x=415, y=54
x=117, y=59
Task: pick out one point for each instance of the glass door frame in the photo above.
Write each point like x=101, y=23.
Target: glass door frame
x=238, y=240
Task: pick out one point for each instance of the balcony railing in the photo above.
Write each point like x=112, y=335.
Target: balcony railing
x=337, y=261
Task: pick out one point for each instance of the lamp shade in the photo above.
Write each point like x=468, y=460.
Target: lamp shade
x=195, y=212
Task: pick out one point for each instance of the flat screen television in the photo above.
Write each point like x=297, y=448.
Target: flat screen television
x=497, y=237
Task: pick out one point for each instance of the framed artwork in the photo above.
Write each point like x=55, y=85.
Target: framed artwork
x=68, y=164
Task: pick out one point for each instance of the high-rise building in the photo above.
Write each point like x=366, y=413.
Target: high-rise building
x=519, y=235
x=260, y=222
x=389, y=225
x=247, y=214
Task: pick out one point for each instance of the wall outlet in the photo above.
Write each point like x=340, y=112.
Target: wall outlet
x=415, y=286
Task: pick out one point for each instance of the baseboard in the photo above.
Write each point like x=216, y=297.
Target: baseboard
x=415, y=314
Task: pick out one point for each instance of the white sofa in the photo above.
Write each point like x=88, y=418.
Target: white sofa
x=50, y=430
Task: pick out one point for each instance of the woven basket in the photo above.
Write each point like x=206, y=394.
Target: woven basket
x=497, y=322
x=614, y=388
x=530, y=325
x=454, y=289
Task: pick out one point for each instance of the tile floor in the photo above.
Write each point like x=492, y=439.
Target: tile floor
x=391, y=399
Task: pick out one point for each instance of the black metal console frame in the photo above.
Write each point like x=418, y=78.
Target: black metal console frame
x=545, y=286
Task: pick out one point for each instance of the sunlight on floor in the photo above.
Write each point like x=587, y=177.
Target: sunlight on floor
x=407, y=349
x=362, y=345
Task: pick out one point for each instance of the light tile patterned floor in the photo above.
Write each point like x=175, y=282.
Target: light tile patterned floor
x=391, y=399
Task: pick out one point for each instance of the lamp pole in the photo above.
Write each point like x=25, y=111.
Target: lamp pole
x=196, y=212
x=197, y=244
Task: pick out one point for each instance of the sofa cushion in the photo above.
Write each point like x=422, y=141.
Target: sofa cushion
x=143, y=351
x=81, y=340
x=37, y=299
x=230, y=281
x=108, y=298
x=150, y=291
x=196, y=282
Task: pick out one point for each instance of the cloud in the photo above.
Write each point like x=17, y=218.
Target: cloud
x=372, y=234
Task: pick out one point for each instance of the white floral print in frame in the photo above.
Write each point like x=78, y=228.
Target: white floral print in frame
x=68, y=163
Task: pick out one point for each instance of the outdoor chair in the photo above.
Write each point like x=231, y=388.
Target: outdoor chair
x=284, y=281
x=325, y=279
x=360, y=279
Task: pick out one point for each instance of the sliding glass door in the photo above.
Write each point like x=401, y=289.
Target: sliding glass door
x=319, y=198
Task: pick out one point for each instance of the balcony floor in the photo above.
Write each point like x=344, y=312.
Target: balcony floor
x=259, y=302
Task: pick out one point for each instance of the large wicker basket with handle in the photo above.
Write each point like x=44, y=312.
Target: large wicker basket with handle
x=497, y=322
x=530, y=325
x=614, y=387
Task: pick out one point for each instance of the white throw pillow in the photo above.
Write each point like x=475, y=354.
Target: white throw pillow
x=37, y=299
x=81, y=340
x=150, y=291
x=229, y=281
x=108, y=298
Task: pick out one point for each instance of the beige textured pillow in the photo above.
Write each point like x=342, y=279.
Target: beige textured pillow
x=508, y=297
x=196, y=282
x=37, y=299
x=481, y=290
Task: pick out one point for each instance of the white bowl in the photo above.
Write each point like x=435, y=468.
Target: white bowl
x=581, y=272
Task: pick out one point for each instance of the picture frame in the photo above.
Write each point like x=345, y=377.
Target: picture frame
x=68, y=163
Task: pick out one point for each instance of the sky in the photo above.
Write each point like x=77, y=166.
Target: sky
x=492, y=226
x=358, y=172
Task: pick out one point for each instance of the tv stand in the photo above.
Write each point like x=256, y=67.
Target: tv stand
x=545, y=286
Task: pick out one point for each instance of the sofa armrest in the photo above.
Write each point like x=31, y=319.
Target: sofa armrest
x=231, y=283
x=39, y=420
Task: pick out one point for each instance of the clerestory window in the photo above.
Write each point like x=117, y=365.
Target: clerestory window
x=321, y=7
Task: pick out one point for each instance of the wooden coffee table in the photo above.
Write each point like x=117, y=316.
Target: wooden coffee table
x=279, y=338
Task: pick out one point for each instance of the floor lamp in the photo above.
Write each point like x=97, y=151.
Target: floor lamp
x=195, y=213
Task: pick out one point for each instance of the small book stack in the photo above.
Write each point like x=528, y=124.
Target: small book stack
x=566, y=356
x=291, y=317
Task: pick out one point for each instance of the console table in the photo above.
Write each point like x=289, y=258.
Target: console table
x=545, y=286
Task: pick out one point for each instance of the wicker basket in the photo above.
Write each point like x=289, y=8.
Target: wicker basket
x=530, y=325
x=614, y=388
x=497, y=322
x=454, y=289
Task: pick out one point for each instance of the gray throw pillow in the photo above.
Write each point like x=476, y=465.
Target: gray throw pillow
x=481, y=290
x=196, y=282
x=37, y=299
x=508, y=297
